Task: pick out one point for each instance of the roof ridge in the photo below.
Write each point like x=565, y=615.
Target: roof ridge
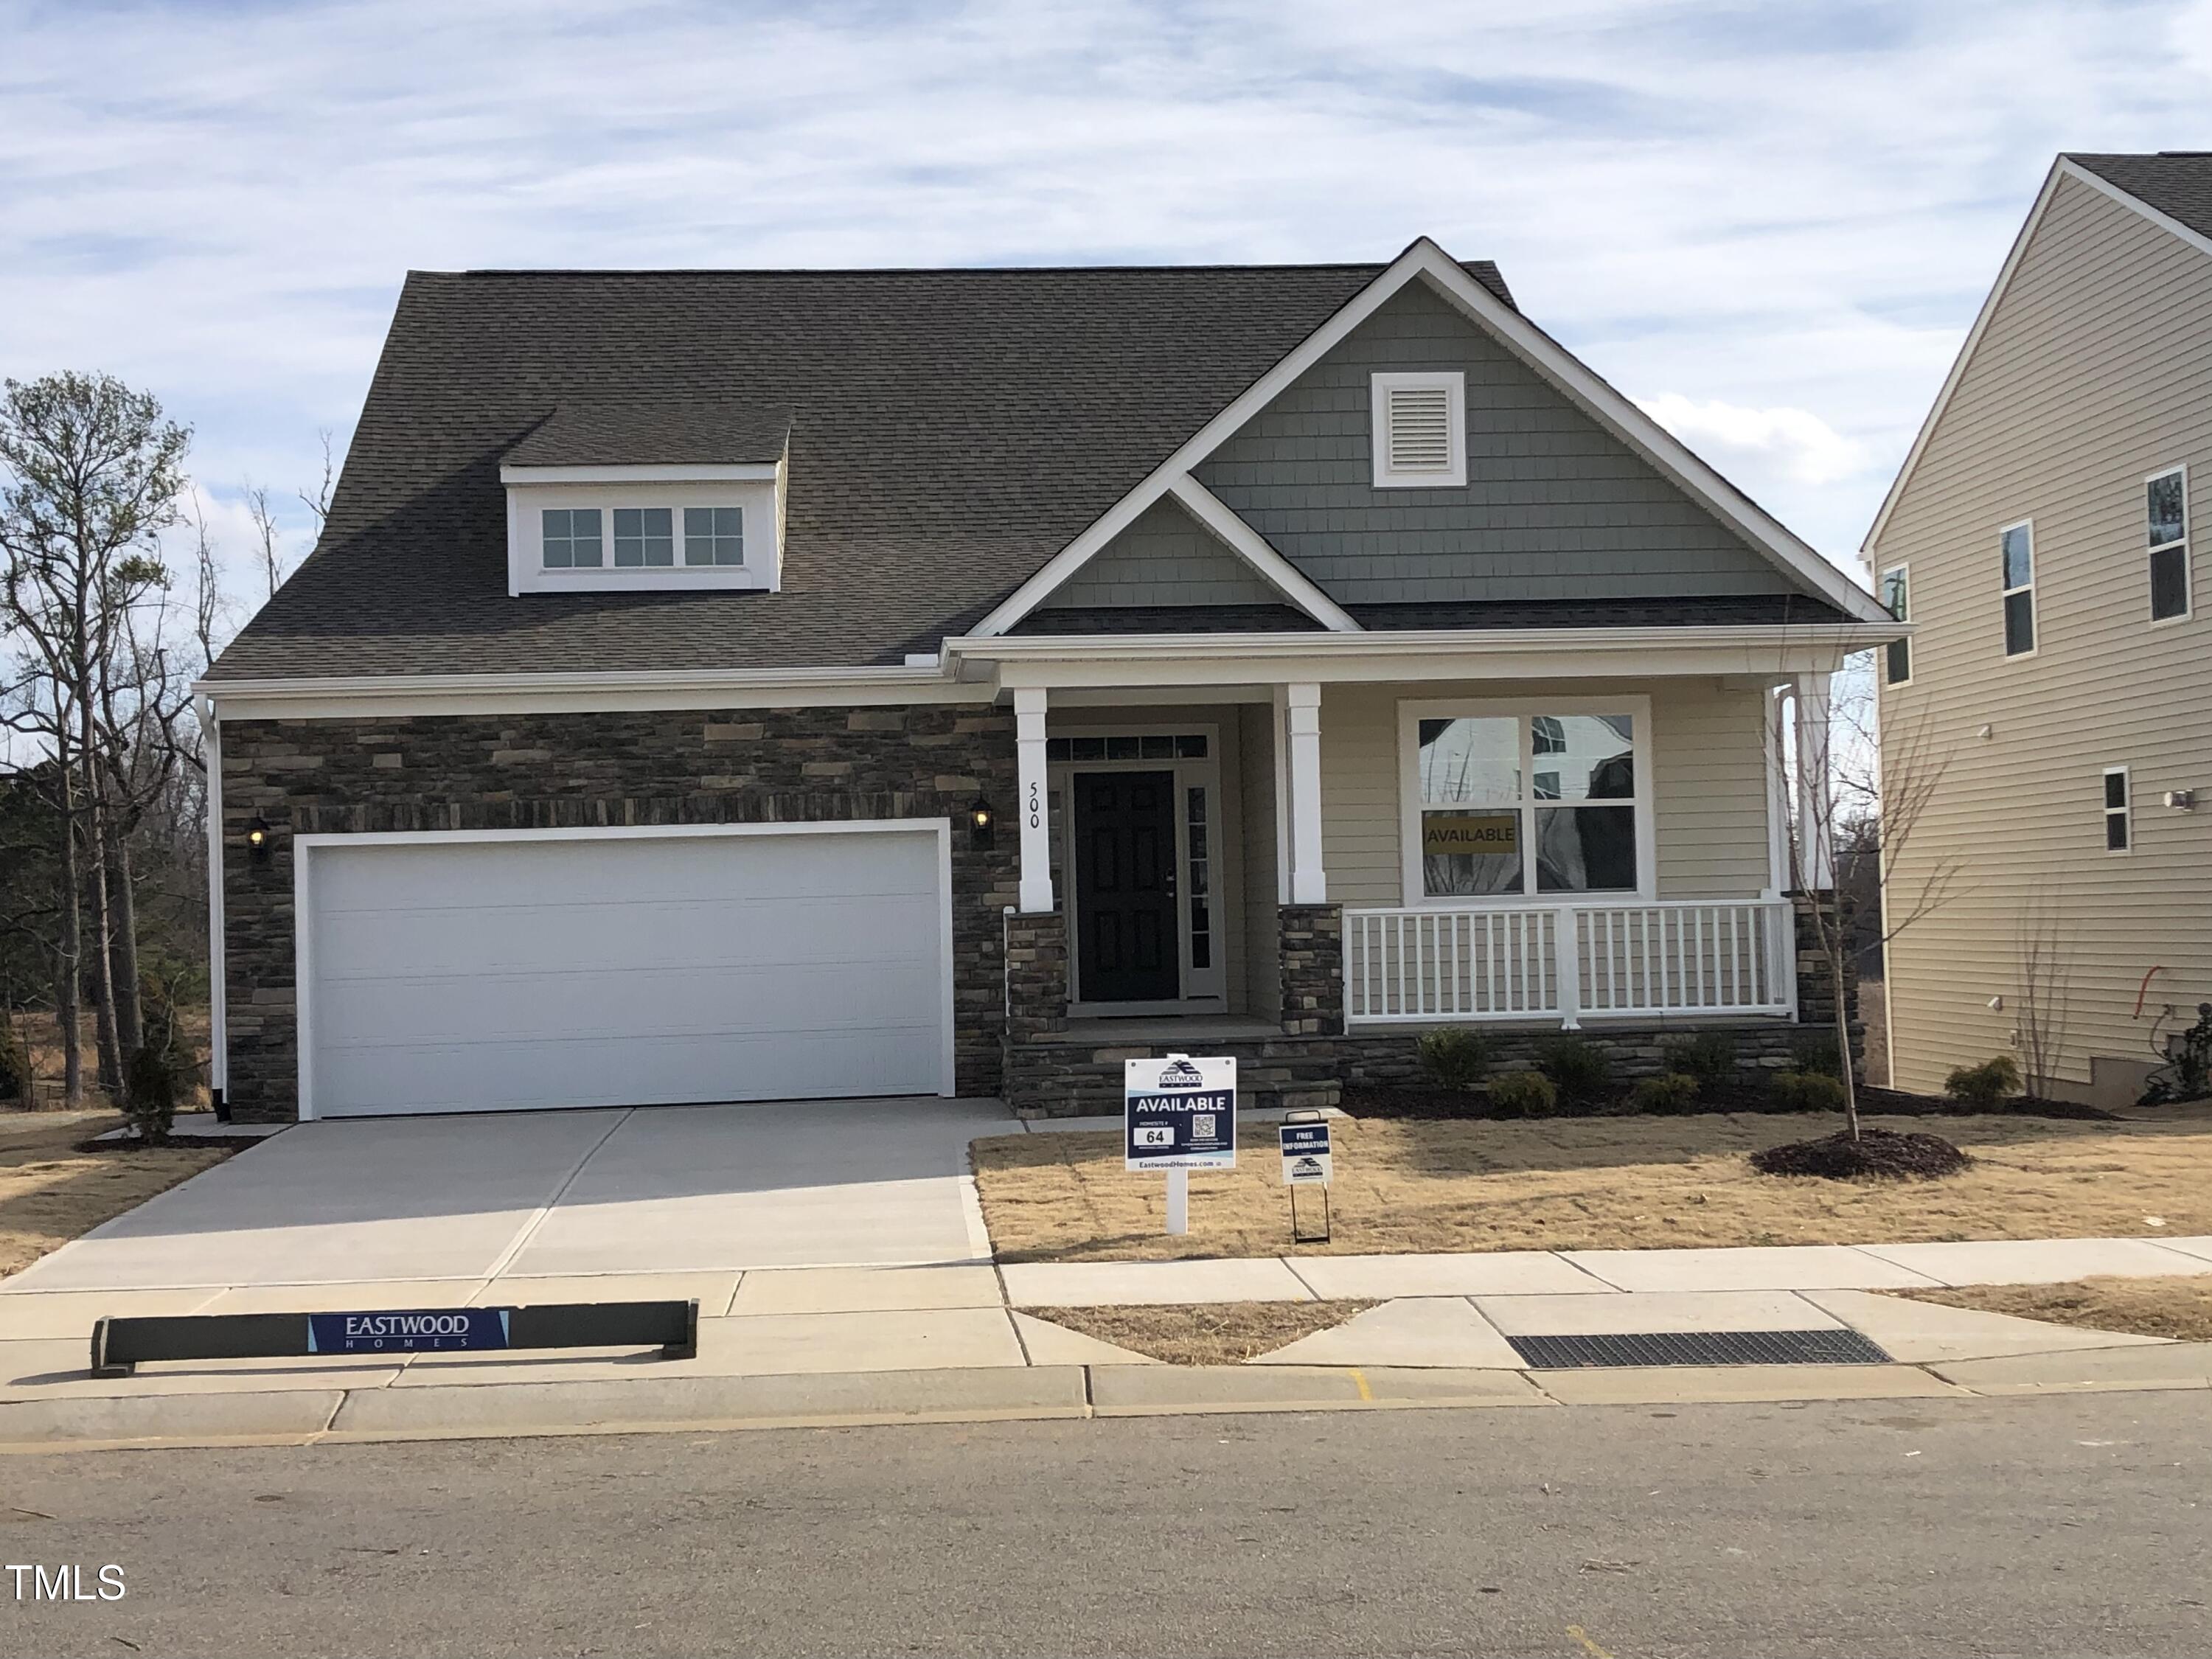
x=913, y=270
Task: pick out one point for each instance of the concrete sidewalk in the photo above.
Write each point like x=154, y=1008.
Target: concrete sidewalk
x=876, y=1345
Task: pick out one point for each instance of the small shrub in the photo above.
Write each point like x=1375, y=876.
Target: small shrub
x=1577, y=1065
x=1808, y=1091
x=1983, y=1085
x=153, y=1077
x=1454, y=1057
x=15, y=1060
x=1523, y=1094
x=1710, y=1056
x=1816, y=1052
x=1671, y=1091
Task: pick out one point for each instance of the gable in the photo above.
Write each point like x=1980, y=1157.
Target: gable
x=1554, y=507
x=1165, y=558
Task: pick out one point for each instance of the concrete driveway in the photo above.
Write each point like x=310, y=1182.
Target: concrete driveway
x=659, y=1190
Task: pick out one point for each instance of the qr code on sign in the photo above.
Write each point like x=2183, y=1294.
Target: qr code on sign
x=1201, y=1125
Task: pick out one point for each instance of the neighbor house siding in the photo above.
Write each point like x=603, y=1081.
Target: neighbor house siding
x=1706, y=746
x=1165, y=558
x=2095, y=370
x=1554, y=506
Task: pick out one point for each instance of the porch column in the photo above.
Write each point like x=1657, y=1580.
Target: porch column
x=1035, y=815
x=1301, y=708
x=1816, y=851
x=1774, y=731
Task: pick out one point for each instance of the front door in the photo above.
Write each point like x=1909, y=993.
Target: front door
x=1129, y=948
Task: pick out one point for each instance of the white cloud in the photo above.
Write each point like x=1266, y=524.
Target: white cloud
x=1795, y=443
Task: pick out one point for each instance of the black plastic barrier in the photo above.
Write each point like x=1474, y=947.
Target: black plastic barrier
x=119, y=1346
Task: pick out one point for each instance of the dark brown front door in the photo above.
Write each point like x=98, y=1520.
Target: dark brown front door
x=1129, y=949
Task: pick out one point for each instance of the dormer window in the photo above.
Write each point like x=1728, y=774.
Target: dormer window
x=572, y=539
x=1421, y=430
x=713, y=535
x=575, y=529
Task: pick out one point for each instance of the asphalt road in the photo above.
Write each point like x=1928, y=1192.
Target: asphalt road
x=2076, y=1526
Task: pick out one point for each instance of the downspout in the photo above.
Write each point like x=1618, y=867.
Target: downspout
x=218, y=1013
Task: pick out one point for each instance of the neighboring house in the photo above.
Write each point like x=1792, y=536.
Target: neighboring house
x=2056, y=697
x=719, y=685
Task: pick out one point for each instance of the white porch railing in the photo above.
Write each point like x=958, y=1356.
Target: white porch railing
x=1563, y=961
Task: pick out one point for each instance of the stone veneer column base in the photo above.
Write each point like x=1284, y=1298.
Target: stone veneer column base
x=1311, y=946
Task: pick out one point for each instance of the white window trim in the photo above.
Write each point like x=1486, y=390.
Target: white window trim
x=2126, y=812
x=675, y=534
x=528, y=573
x=1410, y=716
x=1453, y=384
x=2034, y=607
x=1206, y=990
x=2187, y=575
x=1902, y=567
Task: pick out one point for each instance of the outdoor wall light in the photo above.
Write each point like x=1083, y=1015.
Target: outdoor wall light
x=258, y=836
x=983, y=824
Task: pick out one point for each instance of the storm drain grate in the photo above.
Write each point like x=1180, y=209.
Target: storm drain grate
x=1830, y=1347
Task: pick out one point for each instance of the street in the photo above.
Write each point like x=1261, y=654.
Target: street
x=2073, y=1525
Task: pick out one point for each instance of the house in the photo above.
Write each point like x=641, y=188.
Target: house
x=2053, y=707
x=720, y=685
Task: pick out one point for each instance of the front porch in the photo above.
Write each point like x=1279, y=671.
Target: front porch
x=1306, y=875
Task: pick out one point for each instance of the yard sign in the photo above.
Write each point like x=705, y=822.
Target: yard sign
x=1179, y=1115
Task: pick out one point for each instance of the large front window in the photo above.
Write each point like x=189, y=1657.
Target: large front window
x=1512, y=805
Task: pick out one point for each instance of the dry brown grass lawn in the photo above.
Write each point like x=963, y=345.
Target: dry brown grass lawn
x=1599, y=1183
x=1205, y=1334
x=2179, y=1307
x=50, y=1192
x=42, y=1036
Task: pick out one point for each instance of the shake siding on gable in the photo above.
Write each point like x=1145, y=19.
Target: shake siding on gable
x=1708, y=772
x=1166, y=557
x=2094, y=371
x=1554, y=508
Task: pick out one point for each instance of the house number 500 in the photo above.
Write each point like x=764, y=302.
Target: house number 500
x=1035, y=807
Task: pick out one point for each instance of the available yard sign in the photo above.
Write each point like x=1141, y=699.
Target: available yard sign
x=1306, y=1160
x=420, y=1330
x=1179, y=1113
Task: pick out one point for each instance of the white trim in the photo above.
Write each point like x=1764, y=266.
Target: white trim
x=1387, y=474
x=733, y=472
x=1031, y=805
x=2064, y=168
x=2034, y=607
x=304, y=847
x=218, y=966
x=2125, y=811
x=1816, y=785
x=1285, y=578
x=1774, y=732
x=1903, y=568
x=1523, y=710
x=1301, y=718
x=1596, y=398
x=2188, y=574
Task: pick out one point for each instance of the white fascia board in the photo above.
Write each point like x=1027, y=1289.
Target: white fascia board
x=2060, y=169
x=340, y=697
x=719, y=472
x=1582, y=386
x=1248, y=544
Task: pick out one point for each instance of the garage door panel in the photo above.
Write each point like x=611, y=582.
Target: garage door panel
x=703, y=934
x=489, y=976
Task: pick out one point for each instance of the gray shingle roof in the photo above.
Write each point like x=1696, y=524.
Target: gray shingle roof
x=949, y=431
x=646, y=435
x=2177, y=182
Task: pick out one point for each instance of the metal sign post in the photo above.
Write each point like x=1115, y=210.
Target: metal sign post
x=1307, y=1162
x=1179, y=1115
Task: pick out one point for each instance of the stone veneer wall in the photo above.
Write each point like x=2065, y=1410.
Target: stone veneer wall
x=1036, y=975
x=572, y=770
x=1312, y=968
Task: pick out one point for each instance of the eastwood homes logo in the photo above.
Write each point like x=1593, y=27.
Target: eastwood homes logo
x=1179, y=1074
x=380, y=1327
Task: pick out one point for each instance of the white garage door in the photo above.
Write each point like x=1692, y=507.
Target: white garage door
x=501, y=973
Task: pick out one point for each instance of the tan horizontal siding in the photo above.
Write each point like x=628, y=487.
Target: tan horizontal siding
x=2096, y=371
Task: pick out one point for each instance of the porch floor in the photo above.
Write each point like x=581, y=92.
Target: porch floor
x=1168, y=1027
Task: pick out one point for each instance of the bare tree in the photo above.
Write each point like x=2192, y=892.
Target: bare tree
x=2039, y=1022
x=1841, y=784
x=318, y=501
x=267, y=537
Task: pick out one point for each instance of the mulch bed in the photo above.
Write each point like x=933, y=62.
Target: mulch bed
x=1888, y=1153
x=1427, y=1100
x=222, y=1143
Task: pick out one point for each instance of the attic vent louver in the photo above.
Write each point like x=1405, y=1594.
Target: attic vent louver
x=1421, y=430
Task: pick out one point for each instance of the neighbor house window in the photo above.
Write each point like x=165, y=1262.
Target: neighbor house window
x=1510, y=804
x=2016, y=554
x=1421, y=430
x=2119, y=835
x=572, y=539
x=645, y=537
x=713, y=535
x=1896, y=599
x=2166, y=514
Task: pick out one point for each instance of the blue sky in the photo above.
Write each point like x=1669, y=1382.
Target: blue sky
x=1770, y=223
